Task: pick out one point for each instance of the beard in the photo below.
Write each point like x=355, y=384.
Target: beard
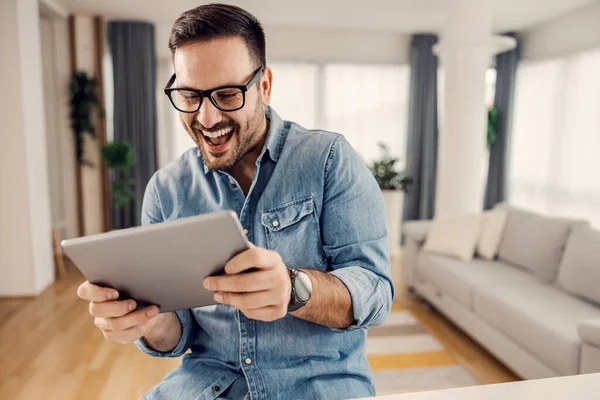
x=242, y=141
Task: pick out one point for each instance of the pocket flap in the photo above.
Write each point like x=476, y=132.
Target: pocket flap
x=287, y=214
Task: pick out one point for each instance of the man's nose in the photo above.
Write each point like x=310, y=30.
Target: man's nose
x=208, y=115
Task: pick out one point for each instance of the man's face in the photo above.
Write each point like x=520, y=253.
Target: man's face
x=222, y=137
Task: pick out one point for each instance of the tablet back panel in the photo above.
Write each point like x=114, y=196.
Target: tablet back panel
x=162, y=264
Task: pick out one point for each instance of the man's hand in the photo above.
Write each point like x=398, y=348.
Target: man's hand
x=263, y=294
x=117, y=320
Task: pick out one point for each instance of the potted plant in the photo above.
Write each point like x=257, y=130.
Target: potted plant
x=120, y=158
x=393, y=184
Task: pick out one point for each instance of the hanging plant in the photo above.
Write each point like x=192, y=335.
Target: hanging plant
x=120, y=158
x=492, y=128
x=83, y=101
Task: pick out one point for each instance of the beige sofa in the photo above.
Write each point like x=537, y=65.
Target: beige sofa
x=536, y=307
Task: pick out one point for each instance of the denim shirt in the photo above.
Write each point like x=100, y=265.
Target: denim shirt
x=314, y=201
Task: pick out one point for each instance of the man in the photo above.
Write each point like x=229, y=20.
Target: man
x=295, y=325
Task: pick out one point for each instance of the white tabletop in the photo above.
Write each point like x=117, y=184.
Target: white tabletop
x=577, y=387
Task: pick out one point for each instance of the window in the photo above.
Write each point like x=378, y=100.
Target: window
x=294, y=93
x=556, y=137
x=365, y=103
x=368, y=104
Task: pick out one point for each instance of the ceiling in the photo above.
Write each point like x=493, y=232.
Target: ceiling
x=403, y=16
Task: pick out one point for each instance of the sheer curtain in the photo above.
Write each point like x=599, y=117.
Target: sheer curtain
x=368, y=104
x=294, y=95
x=555, y=151
x=365, y=103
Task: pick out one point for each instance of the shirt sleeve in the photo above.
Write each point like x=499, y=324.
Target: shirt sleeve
x=187, y=336
x=151, y=214
x=355, y=235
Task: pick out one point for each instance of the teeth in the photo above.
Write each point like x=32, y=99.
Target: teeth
x=218, y=133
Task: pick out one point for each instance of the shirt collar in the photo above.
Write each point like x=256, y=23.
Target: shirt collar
x=275, y=137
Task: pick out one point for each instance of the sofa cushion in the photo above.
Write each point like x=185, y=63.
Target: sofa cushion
x=540, y=318
x=590, y=360
x=534, y=242
x=579, y=271
x=460, y=279
x=589, y=332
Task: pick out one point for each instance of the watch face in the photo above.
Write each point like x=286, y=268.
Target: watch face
x=303, y=286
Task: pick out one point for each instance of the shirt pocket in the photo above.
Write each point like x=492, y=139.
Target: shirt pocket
x=292, y=230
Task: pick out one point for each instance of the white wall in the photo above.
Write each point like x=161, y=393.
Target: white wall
x=60, y=144
x=343, y=46
x=67, y=151
x=320, y=45
x=571, y=33
x=26, y=265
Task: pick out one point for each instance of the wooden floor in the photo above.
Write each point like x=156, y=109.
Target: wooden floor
x=50, y=349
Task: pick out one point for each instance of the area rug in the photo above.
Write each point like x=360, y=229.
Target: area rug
x=405, y=357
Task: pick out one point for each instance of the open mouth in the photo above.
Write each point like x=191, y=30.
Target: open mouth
x=218, y=140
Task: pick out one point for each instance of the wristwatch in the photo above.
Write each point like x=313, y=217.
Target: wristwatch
x=301, y=289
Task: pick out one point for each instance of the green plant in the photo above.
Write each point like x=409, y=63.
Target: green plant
x=120, y=158
x=83, y=101
x=492, y=127
x=386, y=173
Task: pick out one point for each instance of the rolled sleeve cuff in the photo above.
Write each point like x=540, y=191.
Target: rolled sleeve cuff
x=370, y=294
x=187, y=336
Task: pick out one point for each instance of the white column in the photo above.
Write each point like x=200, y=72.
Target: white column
x=465, y=56
x=26, y=265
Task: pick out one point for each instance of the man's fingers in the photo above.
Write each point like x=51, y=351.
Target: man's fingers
x=128, y=335
x=128, y=321
x=249, y=301
x=248, y=282
x=111, y=309
x=254, y=257
x=91, y=292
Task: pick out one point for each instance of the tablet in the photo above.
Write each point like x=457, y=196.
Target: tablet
x=161, y=264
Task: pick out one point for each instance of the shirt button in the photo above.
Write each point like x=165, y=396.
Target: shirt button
x=248, y=361
x=233, y=185
x=275, y=223
x=245, y=231
x=217, y=388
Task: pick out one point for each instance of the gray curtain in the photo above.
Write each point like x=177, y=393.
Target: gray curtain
x=134, y=70
x=422, y=140
x=506, y=71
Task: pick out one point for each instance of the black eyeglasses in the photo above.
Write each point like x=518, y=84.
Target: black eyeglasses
x=225, y=98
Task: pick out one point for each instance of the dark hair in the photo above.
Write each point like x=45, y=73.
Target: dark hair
x=213, y=21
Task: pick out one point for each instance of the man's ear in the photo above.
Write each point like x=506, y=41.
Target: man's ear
x=266, y=84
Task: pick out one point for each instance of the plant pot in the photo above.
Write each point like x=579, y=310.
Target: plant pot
x=394, y=201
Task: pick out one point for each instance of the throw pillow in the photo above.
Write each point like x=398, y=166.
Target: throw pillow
x=454, y=236
x=492, y=229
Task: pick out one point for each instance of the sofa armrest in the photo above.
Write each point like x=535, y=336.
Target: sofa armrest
x=417, y=230
x=414, y=233
x=589, y=332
